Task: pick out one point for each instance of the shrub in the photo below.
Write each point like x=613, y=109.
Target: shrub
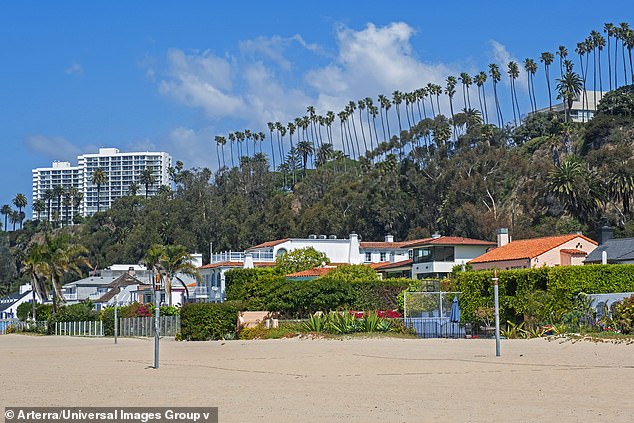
x=205, y=321
x=623, y=315
x=237, y=279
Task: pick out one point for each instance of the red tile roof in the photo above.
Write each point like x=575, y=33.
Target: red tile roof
x=450, y=240
x=389, y=265
x=316, y=272
x=268, y=244
x=526, y=248
x=574, y=252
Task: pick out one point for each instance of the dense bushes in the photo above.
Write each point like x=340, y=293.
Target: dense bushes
x=237, y=279
x=42, y=311
x=300, y=298
x=205, y=321
x=540, y=295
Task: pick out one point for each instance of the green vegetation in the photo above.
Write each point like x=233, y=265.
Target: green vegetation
x=205, y=321
x=300, y=259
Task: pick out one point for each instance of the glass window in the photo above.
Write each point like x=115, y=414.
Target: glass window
x=429, y=254
x=383, y=257
x=368, y=257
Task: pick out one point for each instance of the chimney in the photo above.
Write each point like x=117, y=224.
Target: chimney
x=354, y=254
x=131, y=271
x=436, y=235
x=389, y=238
x=503, y=236
x=605, y=233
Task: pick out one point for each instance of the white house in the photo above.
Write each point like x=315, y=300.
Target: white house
x=9, y=304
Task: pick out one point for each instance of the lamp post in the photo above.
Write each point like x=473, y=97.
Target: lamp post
x=497, y=312
x=157, y=321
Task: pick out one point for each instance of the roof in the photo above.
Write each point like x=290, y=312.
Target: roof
x=9, y=300
x=526, y=248
x=450, y=240
x=122, y=281
x=574, y=252
x=268, y=244
x=389, y=265
x=92, y=281
x=384, y=245
x=618, y=249
x=316, y=272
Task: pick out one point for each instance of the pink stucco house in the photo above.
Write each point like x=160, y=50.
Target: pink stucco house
x=562, y=250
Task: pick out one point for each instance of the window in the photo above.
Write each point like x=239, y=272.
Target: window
x=429, y=254
x=368, y=257
x=383, y=257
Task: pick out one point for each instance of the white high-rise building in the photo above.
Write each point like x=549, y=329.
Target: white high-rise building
x=122, y=170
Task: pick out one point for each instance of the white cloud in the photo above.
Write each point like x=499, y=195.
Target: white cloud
x=55, y=148
x=273, y=48
x=502, y=57
x=202, y=81
x=74, y=68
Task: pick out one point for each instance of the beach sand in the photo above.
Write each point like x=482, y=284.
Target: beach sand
x=325, y=380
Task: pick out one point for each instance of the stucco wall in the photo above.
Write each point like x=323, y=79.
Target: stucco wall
x=553, y=257
x=502, y=264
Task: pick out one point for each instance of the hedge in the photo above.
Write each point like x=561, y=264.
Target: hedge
x=209, y=321
x=300, y=298
x=237, y=279
x=544, y=293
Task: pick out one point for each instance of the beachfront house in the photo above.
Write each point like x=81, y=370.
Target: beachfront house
x=611, y=250
x=9, y=304
x=561, y=250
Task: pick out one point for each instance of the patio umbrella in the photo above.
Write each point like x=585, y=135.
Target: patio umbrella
x=454, y=317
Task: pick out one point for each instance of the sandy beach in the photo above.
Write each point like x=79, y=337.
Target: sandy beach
x=360, y=380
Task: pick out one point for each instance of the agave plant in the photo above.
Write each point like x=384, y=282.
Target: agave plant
x=316, y=322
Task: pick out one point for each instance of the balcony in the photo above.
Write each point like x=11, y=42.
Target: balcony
x=70, y=297
x=238, y=256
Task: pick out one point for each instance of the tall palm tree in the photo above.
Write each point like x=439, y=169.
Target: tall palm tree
x=49, y=196
x=581, y=51
x=58, y=191
x=450, y=90
x=569, y=87
x=385, y=106
x=562, y=52
x=147, y=179
x=67, y=201
x=431, y=90
x=61, y=256
x=480, y=80
x=99, y=178
x=466, y=80
x=599, y=43
x=361, y=108
x=324, y=154
x=176, y=261
x=514, y=72
x=368, y=111
x=232, y=137
x=494, y=72
x=78, y=197
x=281, y=131
x=14, y=217
x=531, y=68
x=305, y=149
x=626, y=41
x=34, y=265
x=6, y=211
x=20, y=202
x=547, y=59
x=39, y=206
x=218, y=139
x=608, y=28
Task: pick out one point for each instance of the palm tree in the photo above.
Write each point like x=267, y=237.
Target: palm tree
x=133, y=189
x=450, y=90
x=39, y=206
x=480, y=79
x=547, y=59
x=324, y=154
x=147, y=179
x=305, y=149
x=514, y=72
x=14, y=217
x=599, y=43
x=61, y=256
x=34, y=265
x=581, y=51
x=58, y=191
x=531, y=68
x=49, y=196
x=176, y=261
x=78, y=197
x=626, y=41
x=569, y=87
x=219, y=139
x=6, y=211
x=609, y=30
x=20, y=202
x=466, y=80
x=232, y=137
x=361, y=107
x=99, y=178
x=621, y=185
x=68, y=198
x=494, y=72
x=385, y=105
x=562, y=52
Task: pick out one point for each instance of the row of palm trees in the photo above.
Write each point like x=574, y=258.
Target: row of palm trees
x=359, y=131
x=14, y=216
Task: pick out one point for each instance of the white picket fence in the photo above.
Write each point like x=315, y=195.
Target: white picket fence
x=88, y=328
x=20, y=326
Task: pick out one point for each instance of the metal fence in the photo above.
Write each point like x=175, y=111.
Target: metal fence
x=429, y=313
x=144, y=326
x=20, y=326
x=87, y=328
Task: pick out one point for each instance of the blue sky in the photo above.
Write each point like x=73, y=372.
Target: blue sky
x=161, y=75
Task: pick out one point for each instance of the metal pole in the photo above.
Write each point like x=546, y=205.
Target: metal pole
x=116, y=319
x=497, y=314
x=157, y=323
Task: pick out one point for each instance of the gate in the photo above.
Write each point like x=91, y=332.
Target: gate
x=430, y=314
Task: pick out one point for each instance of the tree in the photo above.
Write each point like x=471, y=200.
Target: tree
x=305, y=149
x=61, y=255
x=609, y=30
x=531, y=68
x=39, y=206
x=147, y=179
x=300, y=259
x=14, y=217
x=494, y=72
x=171, y=261
x=6, y=211
x=480, y=79
x=35, y=267
x=569, y=87
x=547, y=59
x=77, y=198
x=49, y=195
x=99, y=178
x=20, y=202
x=514, y=73
x=58, y=192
